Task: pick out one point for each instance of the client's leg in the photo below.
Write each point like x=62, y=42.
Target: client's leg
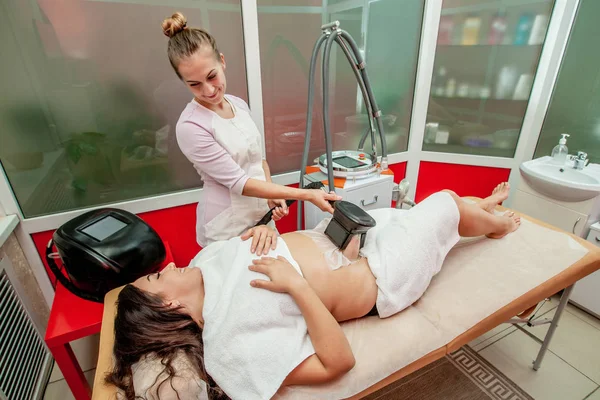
x=474, y=221
x=499, y=194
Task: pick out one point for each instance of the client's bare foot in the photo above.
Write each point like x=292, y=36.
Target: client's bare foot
x=499, y=194
x=511, y=224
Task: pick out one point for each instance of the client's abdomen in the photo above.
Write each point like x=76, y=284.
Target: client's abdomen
x=349, y=292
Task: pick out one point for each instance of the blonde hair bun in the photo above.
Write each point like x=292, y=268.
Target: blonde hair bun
x=173, y=25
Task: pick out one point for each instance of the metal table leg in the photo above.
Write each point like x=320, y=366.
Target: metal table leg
x=553, y=325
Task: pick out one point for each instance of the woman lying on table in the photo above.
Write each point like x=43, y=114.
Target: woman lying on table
x=248, y=325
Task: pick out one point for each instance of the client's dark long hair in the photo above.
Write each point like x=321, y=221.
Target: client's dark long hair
x=145, y=325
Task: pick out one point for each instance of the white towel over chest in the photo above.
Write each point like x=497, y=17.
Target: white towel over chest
x=253, y=338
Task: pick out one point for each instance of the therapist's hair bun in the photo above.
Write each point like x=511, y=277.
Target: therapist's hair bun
x=185, y=41
x=173, y=25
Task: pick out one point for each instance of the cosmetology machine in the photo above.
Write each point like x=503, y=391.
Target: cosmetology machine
x=357, y=176
x=103, y=249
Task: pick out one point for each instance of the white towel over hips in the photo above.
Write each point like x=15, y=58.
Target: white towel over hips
x=406, y=249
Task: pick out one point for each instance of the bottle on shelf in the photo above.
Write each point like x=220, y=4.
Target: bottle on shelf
x=538, y=30
x=451, y=87
x=497, y=29
x=431, y=129
x=445, y=30
x=439, y=83
x=474, y=91
x=442, y=136
x=505, y=85
x=523, y=30
x=560, y=151
x=523, y=88
x=463, y=90
x=485, y=92
x=471, y=31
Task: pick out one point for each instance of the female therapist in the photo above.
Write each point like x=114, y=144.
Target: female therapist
x=216, y=133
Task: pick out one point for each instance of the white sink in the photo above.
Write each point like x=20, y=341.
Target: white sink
x=562, y=183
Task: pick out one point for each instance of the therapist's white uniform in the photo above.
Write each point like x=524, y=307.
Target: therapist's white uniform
x=226, y=153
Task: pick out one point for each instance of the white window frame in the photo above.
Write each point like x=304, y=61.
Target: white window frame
x=557, y=38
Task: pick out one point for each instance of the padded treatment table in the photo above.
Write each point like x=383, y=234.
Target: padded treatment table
x=483, y=283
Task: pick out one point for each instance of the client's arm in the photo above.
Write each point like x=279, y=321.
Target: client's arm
x=333, y=356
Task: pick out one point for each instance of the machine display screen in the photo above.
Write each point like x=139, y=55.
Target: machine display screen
x=102, y=229
x=348, y=162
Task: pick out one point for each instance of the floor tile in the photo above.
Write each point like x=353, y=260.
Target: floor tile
x=583, y=315
x=491, y=336
x=595, y=395
x=514, y=354
x=86, y=351
x=575, y=341
x=59, y=390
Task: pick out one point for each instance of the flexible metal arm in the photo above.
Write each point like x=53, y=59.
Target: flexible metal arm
x=325, y=78
x=367, y=82
x=332, y=33
x=363, y=139
x=311, y=94
x=354, y=64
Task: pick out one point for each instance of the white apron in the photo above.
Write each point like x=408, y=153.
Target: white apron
x=242, y=140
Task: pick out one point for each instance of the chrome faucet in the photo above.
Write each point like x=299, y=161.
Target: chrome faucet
x=400, y=194
x=580, y=161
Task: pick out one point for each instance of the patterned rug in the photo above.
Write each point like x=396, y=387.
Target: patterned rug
x=463, y=375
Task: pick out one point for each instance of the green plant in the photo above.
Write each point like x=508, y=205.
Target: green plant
x=87, y=155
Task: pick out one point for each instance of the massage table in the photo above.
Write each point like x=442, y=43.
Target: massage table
x=483, y=283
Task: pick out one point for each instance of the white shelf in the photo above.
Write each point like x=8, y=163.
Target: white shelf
x=434, y=96
x=490, y=6
x=485, y=46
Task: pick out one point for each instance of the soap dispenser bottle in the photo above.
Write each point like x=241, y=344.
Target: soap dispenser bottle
x=560, y=151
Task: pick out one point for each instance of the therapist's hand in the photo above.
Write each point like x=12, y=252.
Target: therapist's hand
x=281, y=210
x=321, y=199
x=264, y=239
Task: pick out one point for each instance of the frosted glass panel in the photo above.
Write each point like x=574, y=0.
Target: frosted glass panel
x=392, y=54
x=486, y=60
x=287, y=36
x=575, y=104
x=89, y=102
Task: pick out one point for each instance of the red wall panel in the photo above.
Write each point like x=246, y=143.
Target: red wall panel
x=177, y=225
x=399, y=171
x=399, y=174
x=289, y=223
x=465, y=180
x=41, y=240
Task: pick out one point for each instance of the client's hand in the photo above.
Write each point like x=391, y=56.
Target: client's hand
x=321, y=199
x=263, y=239
x=284, y=277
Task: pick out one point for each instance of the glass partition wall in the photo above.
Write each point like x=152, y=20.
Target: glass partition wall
x=575, y=103
x=89, y=101
x=388, y=34
x=485, y=64
x=88, y=113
